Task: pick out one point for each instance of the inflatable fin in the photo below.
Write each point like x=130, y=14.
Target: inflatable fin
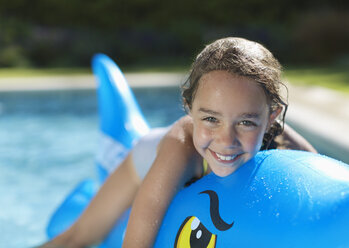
x=121, y=120
x=117, y=234
x=71, y=208
x=121, y=123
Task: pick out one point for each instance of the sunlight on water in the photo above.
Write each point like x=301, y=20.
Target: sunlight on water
x=48, y=145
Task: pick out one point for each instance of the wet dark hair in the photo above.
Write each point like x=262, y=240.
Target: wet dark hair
x=244, y=58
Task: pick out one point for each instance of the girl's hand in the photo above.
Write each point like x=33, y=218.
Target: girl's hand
x=292, y=140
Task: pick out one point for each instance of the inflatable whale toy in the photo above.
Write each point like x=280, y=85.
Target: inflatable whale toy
x=122, y=124
x=277, y=199
x=280, y=198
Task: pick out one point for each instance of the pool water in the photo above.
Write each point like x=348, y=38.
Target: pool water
x=48, y=143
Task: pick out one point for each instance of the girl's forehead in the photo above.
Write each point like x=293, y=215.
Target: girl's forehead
x=223, y=88
x=217, y=75
x=224, y=80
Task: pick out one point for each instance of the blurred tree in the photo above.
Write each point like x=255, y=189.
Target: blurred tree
x=68, y=32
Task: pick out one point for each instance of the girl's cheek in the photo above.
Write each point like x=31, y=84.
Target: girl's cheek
x=259, y=140
x=254, y=140
x=203, y=135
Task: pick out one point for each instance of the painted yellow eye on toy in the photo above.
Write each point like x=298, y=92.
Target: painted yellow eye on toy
x=193, y=234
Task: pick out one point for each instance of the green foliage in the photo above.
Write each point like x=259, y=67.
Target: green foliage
x=49, y=33
x=322, y=36
x=30, y=72
x=335, y=77
x=13, y=56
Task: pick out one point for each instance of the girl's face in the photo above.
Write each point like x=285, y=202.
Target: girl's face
x=230, y=116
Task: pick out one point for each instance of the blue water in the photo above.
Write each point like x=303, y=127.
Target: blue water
x=48, y=141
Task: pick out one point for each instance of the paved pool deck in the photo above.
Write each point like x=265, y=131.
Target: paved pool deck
x=321, y=115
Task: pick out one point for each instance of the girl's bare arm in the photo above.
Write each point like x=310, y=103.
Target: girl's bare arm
x=114, y=197
x=290, y=139
x=175, y=164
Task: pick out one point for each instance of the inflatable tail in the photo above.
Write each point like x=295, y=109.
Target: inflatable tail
x=72, y=207
x=121, y=120
x=121, y=123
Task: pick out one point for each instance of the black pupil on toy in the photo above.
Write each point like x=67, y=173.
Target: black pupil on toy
x=200, y=237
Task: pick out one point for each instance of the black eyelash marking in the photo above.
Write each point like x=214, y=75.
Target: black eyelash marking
x=217, y=220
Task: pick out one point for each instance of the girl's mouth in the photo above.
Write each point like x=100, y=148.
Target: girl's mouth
x=226, y=159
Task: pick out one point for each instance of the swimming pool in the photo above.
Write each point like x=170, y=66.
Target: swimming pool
x=48, y=142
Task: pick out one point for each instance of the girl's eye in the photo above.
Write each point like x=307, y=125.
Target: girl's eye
x=210, y=119
x=247, y=123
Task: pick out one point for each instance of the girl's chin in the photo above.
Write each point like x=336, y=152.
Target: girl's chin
x=223, y=172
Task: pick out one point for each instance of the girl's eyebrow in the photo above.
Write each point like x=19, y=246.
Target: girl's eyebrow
x=251, y=115
x=243, y=115
x=209, y=111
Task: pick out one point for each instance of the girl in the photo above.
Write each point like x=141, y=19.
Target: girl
x=232, y=97
x=233, y=100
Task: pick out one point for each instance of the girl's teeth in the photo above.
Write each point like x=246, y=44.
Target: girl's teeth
x=226, y=158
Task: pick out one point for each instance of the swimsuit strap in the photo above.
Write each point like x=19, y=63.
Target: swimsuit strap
x=204, y=172
x=204, y=167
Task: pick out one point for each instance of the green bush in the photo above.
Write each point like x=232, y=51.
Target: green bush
x=13, y=56
x=67, y=33
x=322, y=36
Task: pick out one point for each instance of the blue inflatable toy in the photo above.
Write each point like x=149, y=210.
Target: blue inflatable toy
x=122, y=124
x=278, y=199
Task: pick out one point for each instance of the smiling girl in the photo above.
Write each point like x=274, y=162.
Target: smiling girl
x=233, y=100
x=230, y=116
x=234, y=110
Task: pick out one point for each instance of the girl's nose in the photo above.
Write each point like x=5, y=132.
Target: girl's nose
x=227, y=137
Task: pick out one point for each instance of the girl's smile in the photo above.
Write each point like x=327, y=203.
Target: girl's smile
x=225, y=159
x=230, y=116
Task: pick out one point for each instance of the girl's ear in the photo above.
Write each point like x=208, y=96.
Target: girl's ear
x=186, y=107
x=274, y=115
